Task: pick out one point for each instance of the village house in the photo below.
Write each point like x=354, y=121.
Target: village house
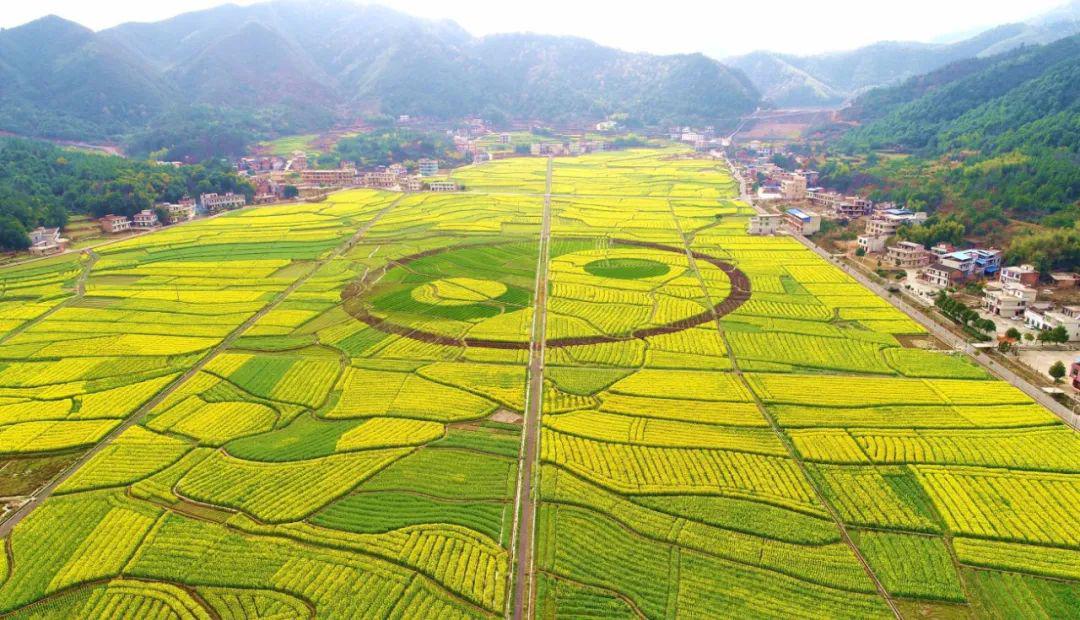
x=885, y=223
x=1063, y=280
x=793, y=187
x=114, y=223
x=852, y=207
x=907, y=255
x=180, y=212
x=46, y=241
x=338, y=177
x=1074, y=374
x=147, y=218
x=412, y=183
x=397, y=170
x=1020, y=274
x=973, y=263
x=606, y=126
x=1067, y=317
x=381, y=179
x=766, y=224
x=800, y=222
x=941, y=276
x=443, y=186
x=215, y=202
x=428, y=167
x=1009, y=300
x=872, y=244
x=504, y=138
x=298, y=163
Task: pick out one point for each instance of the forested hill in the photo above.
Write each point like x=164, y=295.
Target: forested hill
x=1028, y=97
x=832, y=78
x=984, y=141
x=295, y=65
x=41, y=184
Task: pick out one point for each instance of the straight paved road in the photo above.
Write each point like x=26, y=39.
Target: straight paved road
x=39, y=496
x=525, y=512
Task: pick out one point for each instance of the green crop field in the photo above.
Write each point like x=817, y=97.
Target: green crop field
x=316, y=411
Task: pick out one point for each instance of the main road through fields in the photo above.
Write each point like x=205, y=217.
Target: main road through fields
x=44, y=492
x=525, y=508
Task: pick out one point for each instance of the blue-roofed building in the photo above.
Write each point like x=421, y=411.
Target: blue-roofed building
x=800, y=222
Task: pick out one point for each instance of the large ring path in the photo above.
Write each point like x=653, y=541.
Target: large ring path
x=739, y=294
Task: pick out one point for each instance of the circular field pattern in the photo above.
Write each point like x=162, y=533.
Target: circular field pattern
x=417, y=297
x=458, y=291
x=627, y=268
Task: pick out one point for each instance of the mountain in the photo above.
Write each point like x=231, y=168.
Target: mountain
x=985, y=103
x=987, y=139
x=310, y=60
x=830, y=79
x=61, y=77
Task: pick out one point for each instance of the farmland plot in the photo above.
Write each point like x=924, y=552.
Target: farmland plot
x=730, y=426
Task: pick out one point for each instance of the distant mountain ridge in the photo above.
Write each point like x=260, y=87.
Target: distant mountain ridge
x=329, y=57
x=787, y=80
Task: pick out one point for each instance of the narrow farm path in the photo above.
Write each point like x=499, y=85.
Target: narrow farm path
x=783, y=438
x=525, y=510
x=39, y=497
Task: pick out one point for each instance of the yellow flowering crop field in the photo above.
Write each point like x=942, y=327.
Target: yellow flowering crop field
x=319, y=411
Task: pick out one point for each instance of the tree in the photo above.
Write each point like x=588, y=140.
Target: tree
x=860, y=251
x=1057, y=371
x=1013, y=334
x=13, y=234
x=1059, y=335
x=1004, y=346
x=1029, y=337
x=290, y=191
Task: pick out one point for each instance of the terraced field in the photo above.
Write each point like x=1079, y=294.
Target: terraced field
x=316, y=411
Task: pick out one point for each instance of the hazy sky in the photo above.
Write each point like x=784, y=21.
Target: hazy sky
x=716, y=27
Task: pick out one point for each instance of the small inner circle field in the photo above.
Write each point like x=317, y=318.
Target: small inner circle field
x=627, y=268
x=458, y=291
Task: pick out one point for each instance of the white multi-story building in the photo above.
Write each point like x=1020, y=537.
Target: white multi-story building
x=334, y=177
x=766, y=224
x=428, y=167
x=1051, y=319
x=1020, y=274
x=872, y=244
x=146, y=218
x=1009, y=300
x=443, y=186
x=793, y=187
x=907, y=255
x=217, y=202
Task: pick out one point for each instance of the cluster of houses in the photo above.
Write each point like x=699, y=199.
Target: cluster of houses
x=1014, y=296
x=396, y=177
x=884, y=224
x=182, y=211
x=793, y=221
x=566, y=149
x=701, y=139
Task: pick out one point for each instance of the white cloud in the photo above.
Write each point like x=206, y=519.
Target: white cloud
x=717, y=28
